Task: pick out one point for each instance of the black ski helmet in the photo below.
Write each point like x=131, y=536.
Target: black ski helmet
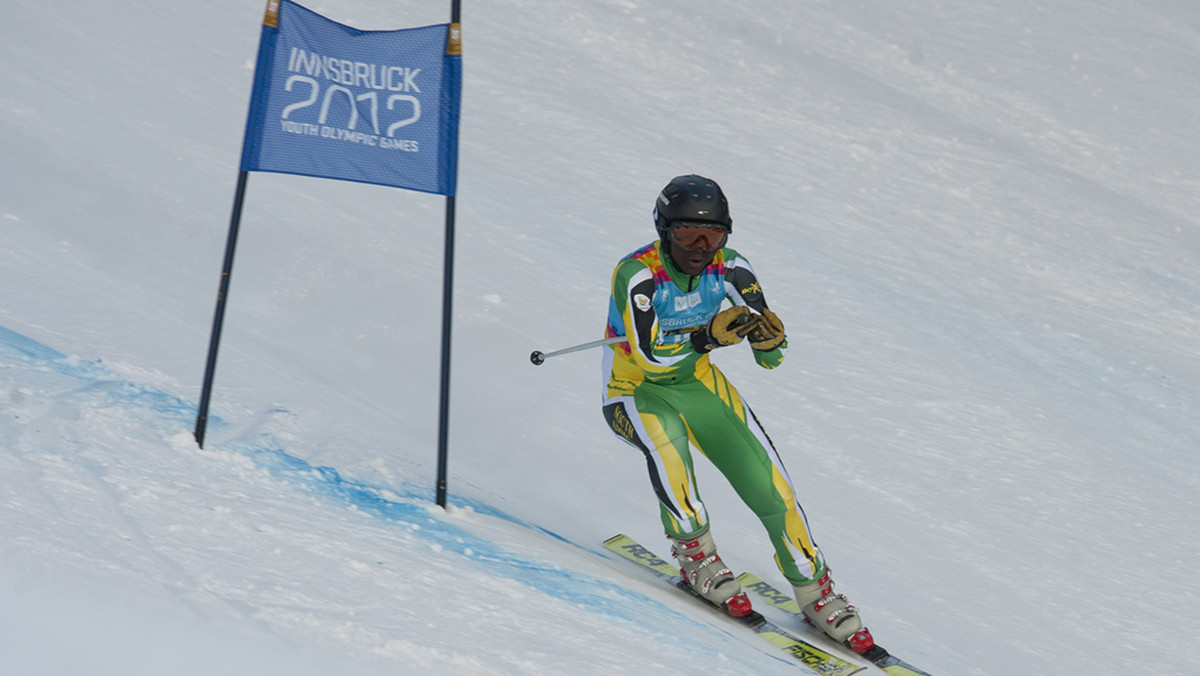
x=692, y=199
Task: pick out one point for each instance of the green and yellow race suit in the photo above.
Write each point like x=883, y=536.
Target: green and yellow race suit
x=664, y=397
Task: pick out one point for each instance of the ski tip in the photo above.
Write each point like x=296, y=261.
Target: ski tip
x=615, y=538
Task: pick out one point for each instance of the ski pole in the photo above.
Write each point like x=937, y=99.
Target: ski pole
x=538, y=357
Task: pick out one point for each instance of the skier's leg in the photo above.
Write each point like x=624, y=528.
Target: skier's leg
x=727, y=432
x=653, y=427
x=731, y=436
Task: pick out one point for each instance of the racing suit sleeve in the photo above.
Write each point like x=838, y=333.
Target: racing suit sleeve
x=742, y=288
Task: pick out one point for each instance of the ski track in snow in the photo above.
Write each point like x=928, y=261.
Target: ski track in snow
x=98, y=402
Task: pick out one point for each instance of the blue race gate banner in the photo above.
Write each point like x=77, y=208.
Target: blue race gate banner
x=335, y=102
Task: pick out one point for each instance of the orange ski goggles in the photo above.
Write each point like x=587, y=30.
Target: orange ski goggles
x=702, y=236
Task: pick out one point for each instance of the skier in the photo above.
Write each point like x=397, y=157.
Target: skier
x=662, y=391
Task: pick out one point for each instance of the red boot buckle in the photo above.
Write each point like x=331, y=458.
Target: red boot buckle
x=861, y=641
x=739, y=605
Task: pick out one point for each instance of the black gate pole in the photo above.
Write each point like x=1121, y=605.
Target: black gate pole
x=447, y=313
x=219, y=318
x=447, y=297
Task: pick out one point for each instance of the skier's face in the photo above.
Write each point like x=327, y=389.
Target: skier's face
x=694, y=246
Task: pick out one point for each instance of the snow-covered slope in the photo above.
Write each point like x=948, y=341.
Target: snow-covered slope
x=977, y=219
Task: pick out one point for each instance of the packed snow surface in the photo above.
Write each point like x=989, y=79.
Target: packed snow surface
x=978, y=220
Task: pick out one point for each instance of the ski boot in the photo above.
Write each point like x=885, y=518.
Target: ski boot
x=706, y=573
x=833, y=614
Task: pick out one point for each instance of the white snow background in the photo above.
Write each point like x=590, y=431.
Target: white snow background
x=978, y=220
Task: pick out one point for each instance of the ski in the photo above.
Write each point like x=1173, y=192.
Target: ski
x=783, y=601
x=806, y=653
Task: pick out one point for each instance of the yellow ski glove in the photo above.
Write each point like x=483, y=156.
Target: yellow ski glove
x=766, y=331
x=729, y=327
